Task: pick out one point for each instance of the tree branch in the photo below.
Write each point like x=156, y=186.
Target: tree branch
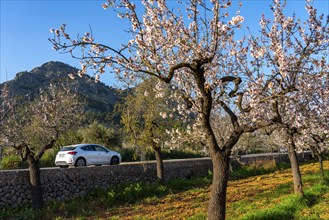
x=43, y=150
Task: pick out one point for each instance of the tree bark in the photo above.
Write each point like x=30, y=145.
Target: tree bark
x=158, y=157
x=316, y=152
x=220, y=156
x=217, y=202
x=35, y=183
x=297, y=178
x=159, y=161
x=321, y=165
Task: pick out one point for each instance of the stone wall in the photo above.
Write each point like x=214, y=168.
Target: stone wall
x=65, y=184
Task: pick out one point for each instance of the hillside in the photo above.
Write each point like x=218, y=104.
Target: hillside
x=99, y=99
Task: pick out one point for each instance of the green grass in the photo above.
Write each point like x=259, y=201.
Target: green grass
x=266, y=196
x=282, y=205
x=291, y=206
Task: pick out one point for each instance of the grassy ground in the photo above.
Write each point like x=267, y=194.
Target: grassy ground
x=267, y=196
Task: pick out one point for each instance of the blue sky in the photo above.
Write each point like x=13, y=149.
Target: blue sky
x=25, y=25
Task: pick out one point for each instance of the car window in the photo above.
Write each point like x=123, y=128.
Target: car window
x=68, y=148
x=88, y=148
x=99, y=148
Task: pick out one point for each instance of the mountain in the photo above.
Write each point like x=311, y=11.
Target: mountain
x=99, y=99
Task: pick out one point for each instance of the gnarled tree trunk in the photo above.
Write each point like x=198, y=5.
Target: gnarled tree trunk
x=34, y=168
x=35, y=183
x=220, y=156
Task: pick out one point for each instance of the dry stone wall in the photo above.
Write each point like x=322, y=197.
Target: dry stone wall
x=66, y=184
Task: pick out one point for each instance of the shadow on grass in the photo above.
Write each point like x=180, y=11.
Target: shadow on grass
x=290, y=205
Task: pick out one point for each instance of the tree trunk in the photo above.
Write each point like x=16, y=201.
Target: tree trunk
x=217, y=202
x=321, y=165
x=35, y=183
x=158, y=157
x=298, y=185
x=317, y=153
x=220, y=156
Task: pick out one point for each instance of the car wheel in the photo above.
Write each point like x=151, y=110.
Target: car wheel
x=81, y=162
x=115, y=160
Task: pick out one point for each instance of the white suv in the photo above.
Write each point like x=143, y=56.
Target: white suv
x=86, y=154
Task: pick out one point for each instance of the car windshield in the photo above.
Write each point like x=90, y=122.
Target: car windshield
x=68, y=148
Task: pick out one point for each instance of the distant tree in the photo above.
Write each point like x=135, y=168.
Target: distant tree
x=100, y=134
x=290, y=55
x=318, y=144
x=146, y=116
x=33, y=129
x=314, y=118
x=252, y=143
x=68, y=138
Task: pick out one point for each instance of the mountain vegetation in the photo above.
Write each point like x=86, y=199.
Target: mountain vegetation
x=98, y=99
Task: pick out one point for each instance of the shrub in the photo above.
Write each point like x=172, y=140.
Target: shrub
x=22, y=213
x=129, y=192
x=100, y=134
x=48, y=159
x=12, y=162
x=128, y=155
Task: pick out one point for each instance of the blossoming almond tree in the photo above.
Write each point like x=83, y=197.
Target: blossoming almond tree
x=316, y=139
x=195, y=48
x=292, y=57
x=33, y=128
x=314, y=109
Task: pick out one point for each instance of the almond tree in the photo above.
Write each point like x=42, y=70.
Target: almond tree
x=194, y=47
x=314, y=109
x=33, y=128
x=316, y=139
x=291, y=55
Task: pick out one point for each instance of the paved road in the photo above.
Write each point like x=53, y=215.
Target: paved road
x=177, y=160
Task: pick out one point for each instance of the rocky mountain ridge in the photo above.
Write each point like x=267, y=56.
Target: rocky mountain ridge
x=99, y=99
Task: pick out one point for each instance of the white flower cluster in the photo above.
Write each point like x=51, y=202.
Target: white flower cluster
x=164, y=115
x=258, y=52
x=237, y=19
x=160, y=89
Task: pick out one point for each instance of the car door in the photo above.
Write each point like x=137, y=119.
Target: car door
x=90, y=154
x=102, y=155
